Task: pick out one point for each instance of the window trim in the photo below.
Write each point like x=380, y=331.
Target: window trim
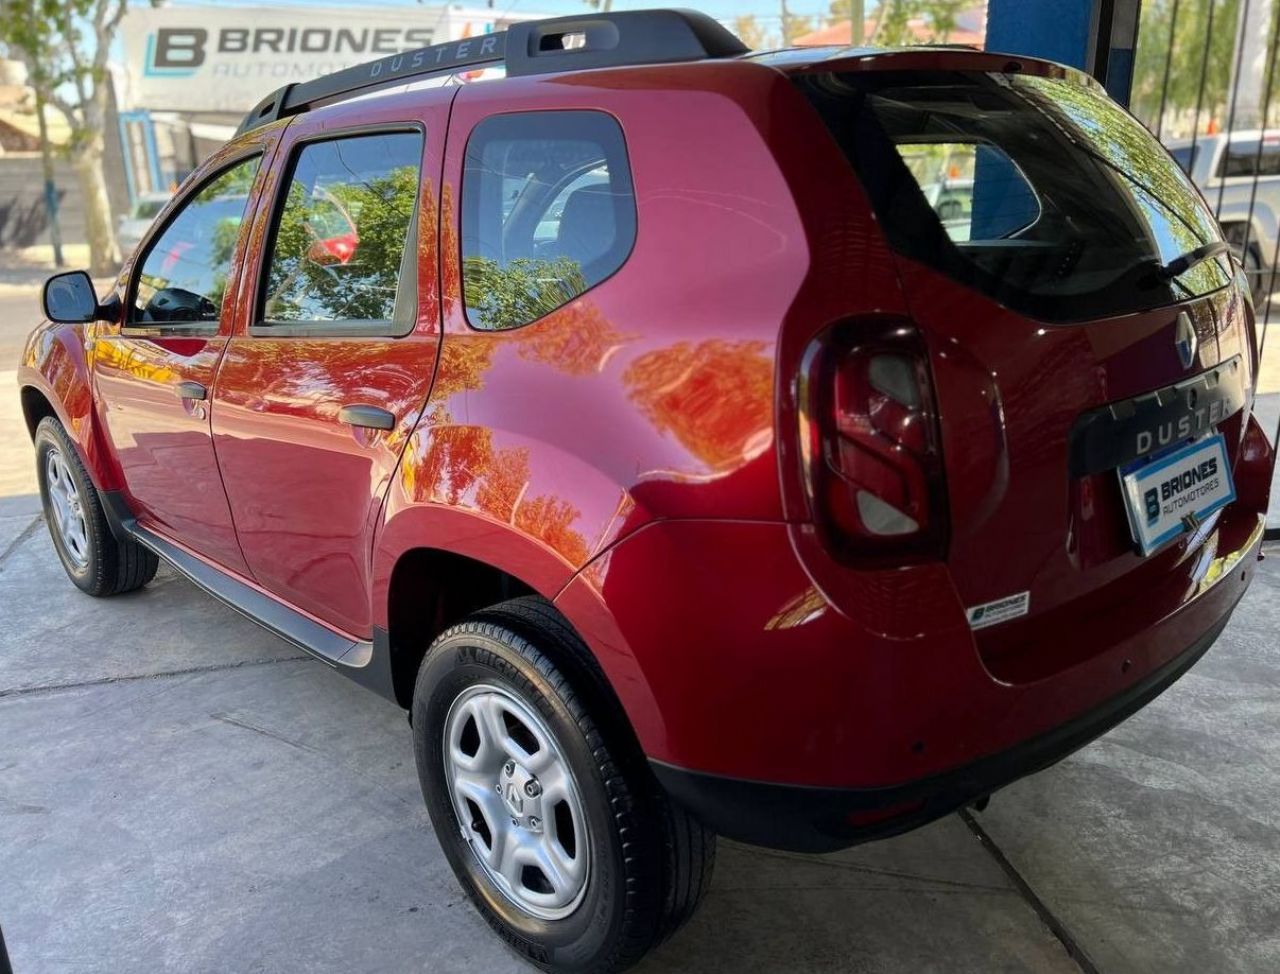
x=462, y=198
x=187, y=329
x=346, y=327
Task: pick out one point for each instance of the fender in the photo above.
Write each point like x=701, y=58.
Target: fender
x=55, y=364
x=523, y=507
x=538, y=513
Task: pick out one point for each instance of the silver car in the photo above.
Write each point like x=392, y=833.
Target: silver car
x=1225, y=168
x=134, y=224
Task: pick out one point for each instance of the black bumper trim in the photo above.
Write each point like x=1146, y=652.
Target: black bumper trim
x=806, y=819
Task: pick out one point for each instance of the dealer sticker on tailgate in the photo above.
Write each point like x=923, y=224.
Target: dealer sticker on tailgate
x=1175, y=492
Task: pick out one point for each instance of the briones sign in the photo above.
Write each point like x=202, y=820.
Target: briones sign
x=227, y=59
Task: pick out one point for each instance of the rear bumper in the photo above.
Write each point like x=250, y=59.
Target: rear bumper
x=804, y=819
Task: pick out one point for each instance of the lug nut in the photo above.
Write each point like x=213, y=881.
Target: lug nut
x=498, y=789
x=515, y=822
x=532, y=788
x=533, y=822
x=509, y=768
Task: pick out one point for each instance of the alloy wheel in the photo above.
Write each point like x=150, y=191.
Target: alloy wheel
x=67, y=509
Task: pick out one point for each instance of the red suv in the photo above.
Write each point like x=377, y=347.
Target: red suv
x=796, y=447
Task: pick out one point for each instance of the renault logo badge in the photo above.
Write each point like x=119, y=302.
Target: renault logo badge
x=1186, y=340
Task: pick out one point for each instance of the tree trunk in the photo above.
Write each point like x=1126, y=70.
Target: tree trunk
x=104, y=254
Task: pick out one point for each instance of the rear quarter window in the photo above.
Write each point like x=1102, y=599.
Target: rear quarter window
x=548, y=211
x=1042, y=193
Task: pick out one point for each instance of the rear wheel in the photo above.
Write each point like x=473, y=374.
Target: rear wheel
x=94, y=560
x=1251, y=260
x=546, y=811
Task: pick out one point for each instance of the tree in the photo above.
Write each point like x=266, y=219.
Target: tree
x=893, y=19
x=65, y=45
x=748, y=28
x=852, y=12
x=1199, y=71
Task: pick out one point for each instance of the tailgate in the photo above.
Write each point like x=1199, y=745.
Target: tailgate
x=1080, y=315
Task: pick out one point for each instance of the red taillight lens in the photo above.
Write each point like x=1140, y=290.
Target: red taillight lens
x=873, y=460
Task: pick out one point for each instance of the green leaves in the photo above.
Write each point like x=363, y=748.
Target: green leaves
x=64, y=45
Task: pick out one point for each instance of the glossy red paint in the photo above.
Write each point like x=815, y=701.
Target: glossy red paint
x=307, y=487
x=54, y=376
x=162, y=442
x=635, y=454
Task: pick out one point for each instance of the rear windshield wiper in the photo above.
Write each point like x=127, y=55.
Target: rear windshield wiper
x=1180, y=265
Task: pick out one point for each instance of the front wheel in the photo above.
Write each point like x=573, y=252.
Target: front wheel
x=94, y=559
x=545, y=810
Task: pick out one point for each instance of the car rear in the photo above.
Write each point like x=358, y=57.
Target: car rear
x=977, y=472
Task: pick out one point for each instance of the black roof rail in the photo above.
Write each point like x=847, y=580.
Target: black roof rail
x=599, y=40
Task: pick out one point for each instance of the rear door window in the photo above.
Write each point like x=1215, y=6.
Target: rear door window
x=1042, y=193
x=343, y=254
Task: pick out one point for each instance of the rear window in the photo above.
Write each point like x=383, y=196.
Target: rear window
x=1043, y=194
x=1248, y=158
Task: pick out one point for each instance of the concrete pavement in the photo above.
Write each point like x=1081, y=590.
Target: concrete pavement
x=179, y=791
x=201, y=799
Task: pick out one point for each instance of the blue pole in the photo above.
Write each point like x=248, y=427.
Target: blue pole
x=1058, y=30
x=1098, y=36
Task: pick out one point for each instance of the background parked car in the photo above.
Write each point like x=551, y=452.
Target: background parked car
x=1224, y=167
x=134, y=224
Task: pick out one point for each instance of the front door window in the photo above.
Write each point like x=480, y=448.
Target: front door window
x=185, y=270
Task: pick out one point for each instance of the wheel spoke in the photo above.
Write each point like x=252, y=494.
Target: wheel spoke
x=67, y=520
x=508, y=861
x=562, y=872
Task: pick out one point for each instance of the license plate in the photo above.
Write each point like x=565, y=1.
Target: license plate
x=1174, y=492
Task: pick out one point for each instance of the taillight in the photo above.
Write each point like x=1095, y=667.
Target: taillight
x=871, y=443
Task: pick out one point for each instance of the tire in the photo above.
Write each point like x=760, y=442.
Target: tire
x=94, y=560
x=647, y=863
x=1251, y=261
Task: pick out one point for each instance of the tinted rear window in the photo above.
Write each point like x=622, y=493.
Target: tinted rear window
x=1041, y=193
x=1248, y=158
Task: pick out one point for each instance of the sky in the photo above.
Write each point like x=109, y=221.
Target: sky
x=767, y=12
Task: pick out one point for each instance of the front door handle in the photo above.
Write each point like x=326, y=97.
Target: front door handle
x=191, y=390
x=367, y=417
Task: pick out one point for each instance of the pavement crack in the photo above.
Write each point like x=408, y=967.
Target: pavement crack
x=1056, y=927
x=108, y=680
x=26, y=532
x=244, y=724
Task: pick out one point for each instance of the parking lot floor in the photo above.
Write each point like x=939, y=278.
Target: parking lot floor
x=181, y=791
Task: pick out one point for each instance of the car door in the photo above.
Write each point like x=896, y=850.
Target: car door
x=154, y=368
x=334, y=350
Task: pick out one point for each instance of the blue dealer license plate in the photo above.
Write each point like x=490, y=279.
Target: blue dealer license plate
x=1175, y=492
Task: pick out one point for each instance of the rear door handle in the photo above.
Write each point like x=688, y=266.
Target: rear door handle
x=367, y=417
x=191, y=390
